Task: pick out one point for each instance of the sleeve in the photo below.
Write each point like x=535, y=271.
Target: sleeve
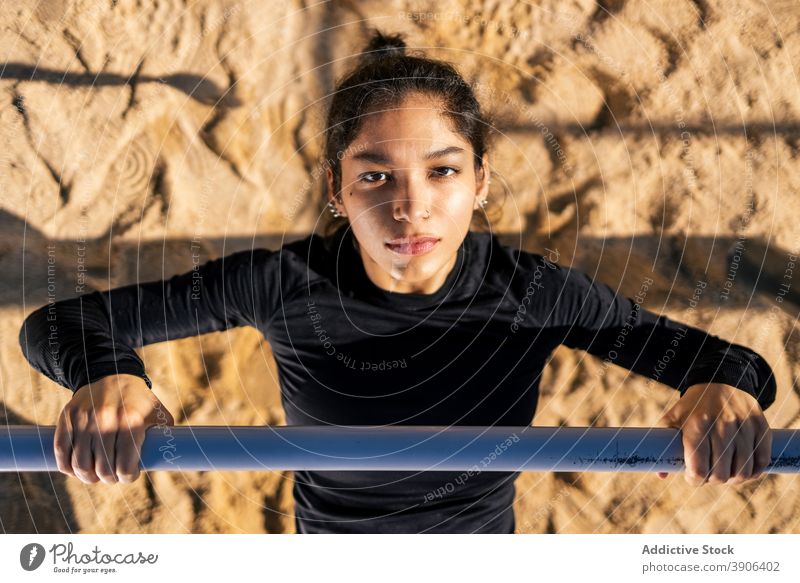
x=616, y=328
x=80, y=340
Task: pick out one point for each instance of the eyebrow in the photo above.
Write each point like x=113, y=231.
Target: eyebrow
x=381, y=158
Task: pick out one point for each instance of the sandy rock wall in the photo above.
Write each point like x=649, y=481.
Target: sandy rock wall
x=637, y=140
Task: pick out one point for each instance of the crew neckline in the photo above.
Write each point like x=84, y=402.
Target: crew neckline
x=365, y=287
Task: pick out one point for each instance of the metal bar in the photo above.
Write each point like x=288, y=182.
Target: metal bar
x=29, y=448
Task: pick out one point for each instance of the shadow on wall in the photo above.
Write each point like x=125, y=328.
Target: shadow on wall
x=34, y=502
x=197, y=87
x=734, y=273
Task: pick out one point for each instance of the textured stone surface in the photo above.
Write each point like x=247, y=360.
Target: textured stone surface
x=636, y=139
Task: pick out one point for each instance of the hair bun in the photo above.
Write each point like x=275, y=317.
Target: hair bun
x=383, y=46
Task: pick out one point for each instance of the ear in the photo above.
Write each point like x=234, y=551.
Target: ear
x=482, y=180
x=330, y=193
x=329, y=180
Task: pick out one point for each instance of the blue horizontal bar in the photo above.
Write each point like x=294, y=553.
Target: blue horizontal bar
x=29, y=448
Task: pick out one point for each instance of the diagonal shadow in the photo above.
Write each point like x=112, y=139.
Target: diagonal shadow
x=787, y=128
x=738, y=273
x=207, y=92
x=197, y=87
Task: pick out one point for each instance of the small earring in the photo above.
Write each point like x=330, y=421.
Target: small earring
x=334, y=210
x=484, y=201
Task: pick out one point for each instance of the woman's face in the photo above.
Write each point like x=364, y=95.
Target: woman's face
x=407, y=175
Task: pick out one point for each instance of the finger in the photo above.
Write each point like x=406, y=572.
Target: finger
x=742, y=467
x=129, y=445
x=104, y=456
x=62, y=443
x=696, y=453
x=763, y=445
x=82, y=456
x=722, y=446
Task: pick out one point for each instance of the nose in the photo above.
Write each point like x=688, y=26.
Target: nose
x=412, y=202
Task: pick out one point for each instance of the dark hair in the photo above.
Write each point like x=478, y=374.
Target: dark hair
x=385, y=74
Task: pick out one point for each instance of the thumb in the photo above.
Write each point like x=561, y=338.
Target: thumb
x=671, y=418
x=170, y=418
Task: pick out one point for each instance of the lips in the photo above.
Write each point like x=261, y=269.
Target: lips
x=416, y=245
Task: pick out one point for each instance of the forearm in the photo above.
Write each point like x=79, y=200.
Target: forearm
x=81, y=339
x=71, y=343
x=673, y=353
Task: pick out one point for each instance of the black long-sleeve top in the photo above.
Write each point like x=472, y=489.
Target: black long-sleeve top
x=351, y=353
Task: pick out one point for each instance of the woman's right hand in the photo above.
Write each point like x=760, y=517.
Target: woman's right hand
x=101, y=429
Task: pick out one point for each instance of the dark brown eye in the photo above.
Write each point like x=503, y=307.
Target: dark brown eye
x=440, y=172
x=368, y=177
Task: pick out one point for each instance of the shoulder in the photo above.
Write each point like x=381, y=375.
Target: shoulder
x=286, y=267
x=270, y=278
x=295, y=253
x=507, y=264
x=311, y=254
x=307, y=261
x=541, y=278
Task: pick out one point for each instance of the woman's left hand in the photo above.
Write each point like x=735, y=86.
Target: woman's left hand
x=726, y=438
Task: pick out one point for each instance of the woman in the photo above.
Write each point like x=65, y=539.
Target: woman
x=402, y=314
